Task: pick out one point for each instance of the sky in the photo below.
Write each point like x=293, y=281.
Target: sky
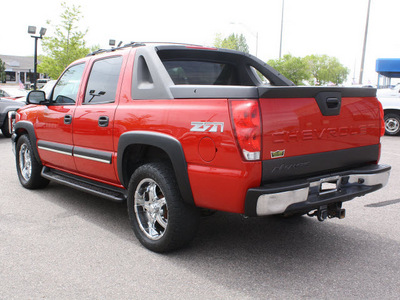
x=332, y=27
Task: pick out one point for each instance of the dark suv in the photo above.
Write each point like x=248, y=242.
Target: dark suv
x=7, y=106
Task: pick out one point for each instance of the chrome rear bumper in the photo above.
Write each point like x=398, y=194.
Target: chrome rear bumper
x=308, y=194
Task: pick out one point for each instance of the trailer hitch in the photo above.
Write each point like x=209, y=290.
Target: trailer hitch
x=330, y=211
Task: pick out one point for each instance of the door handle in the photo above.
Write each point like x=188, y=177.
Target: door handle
x=103, y=121
x=67, y=119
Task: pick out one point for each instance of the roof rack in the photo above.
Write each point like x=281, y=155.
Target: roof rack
x=97, y=52
x=139, y=44
x=173, y=43
x=131, y=44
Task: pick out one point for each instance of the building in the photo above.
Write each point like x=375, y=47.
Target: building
x=19, y=69
x=387, y=68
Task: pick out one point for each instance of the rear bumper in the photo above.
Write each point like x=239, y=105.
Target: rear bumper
x=308, y=194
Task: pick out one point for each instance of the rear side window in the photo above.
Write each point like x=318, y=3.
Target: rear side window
x=263, y=80
x=201, y=72
x=103, y=81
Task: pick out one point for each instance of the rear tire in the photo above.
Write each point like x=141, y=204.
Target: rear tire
x=392, y=124
x=28, y=168
x=159, y=218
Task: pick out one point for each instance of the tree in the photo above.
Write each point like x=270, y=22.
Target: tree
x=234, y=41
x=66, y=46
x=326, y=69
x=2, y=71
x=294, y=68
x=315, y=69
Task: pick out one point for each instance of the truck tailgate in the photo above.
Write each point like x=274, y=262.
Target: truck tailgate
x=312, y=130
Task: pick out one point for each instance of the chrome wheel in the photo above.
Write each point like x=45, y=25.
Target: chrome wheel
x=25, y=162
x=392, y=125
x=151, y=209
x=159, y=217
x=29, y=169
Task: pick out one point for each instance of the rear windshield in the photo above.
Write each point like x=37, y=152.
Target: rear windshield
x=201, y=72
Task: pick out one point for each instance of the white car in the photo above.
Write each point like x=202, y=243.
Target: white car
x=390, y=99
x=40, y=83
x=13, y=93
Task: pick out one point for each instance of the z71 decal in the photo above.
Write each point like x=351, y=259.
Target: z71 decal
x=207, y=126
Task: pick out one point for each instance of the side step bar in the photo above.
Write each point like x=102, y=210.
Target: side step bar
x=93, y=187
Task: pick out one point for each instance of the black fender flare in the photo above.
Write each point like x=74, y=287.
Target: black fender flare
x=170, y=145
x=28, y=127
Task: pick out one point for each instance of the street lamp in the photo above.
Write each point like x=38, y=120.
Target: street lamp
x=280, y=47
x=42, y=32
x=364, y=45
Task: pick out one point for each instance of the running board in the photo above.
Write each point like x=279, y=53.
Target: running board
x=92, y=187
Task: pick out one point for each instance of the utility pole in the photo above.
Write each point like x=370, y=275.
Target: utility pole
x=280, y=47
x=365, y=45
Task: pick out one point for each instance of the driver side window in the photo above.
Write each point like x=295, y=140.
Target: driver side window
x=66, y=89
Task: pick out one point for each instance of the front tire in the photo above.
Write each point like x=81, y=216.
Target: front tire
x=5, y=128
x=392, y=124
x=28, y=168
x=159, y=218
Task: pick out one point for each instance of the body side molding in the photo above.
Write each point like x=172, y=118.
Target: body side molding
x=55, y=147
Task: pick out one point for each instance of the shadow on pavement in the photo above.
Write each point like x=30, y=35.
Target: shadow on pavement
x=275, y=256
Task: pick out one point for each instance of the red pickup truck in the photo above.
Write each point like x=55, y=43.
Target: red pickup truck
x=174, y=128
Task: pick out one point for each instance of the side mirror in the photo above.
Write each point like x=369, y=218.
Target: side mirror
x=36, y=97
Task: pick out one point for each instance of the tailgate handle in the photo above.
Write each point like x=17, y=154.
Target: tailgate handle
x=329, y=103
x=332, y=102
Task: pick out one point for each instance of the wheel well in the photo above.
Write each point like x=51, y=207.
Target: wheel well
x=136, y=155
x=20, y=131
x=138, y=147
x=25, y=127
x=392, y=111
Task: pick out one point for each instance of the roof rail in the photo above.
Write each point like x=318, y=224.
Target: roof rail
x=97, y=52
x=139, y=44
x=173, y=43
x=131, y=44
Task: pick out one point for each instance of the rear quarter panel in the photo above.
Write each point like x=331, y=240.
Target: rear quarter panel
x=218, y=177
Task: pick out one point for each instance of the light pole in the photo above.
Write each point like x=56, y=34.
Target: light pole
x=42, y=32
x=280, y=46
x=365, y=45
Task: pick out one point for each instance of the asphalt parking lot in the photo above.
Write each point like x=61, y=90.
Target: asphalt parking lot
x=59, y=243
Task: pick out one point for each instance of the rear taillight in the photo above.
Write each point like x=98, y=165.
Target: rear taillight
x=246, y=121
x=382, y=118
